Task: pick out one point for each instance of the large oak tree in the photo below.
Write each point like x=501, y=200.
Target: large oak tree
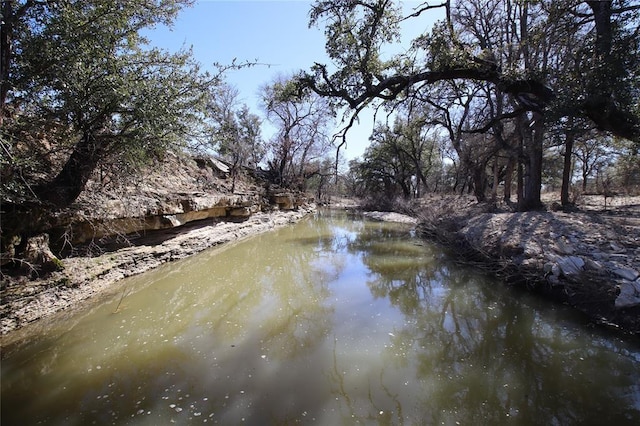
x=80, y=83
x=358, y=31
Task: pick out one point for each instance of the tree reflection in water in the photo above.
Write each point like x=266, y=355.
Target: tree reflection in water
x=484, y=356
x=332, y=321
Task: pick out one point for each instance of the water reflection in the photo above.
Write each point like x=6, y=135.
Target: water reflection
x=332, y=321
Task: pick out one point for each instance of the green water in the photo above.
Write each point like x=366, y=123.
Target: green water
x=333, y=321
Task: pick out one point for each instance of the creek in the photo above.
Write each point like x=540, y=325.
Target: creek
x=336, y=320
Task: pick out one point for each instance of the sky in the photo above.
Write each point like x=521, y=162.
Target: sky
x=273, y=33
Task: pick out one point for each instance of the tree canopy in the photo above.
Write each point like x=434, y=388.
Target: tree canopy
x=78, y=75
x=302, y=120
x=519, y=65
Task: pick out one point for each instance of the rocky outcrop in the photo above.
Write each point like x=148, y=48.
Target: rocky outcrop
x=126, y=218
x=566, y=248
x=588, y=259
x=174, y=192
x=183, y=209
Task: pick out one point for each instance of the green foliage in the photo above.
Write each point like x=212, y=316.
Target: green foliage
x=82, y=81
x=512, y=70
x=235, y=131
x=355, y=32
x=441, y=50
x=402, y=160
x=626, y=167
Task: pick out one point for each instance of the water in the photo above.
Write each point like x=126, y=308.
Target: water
x=332, y=321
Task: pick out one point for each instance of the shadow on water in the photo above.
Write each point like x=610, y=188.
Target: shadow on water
x=331, y=321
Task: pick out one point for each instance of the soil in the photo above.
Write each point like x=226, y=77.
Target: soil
x=25, y=300
x=588, y=258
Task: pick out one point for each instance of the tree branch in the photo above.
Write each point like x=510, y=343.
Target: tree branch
x=423, y=8
x=388, y=89
x=513, y=114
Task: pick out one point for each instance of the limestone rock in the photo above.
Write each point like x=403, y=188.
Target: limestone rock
x=285, y=201
x=571, y=265
x=627, y=273
x=629, y=295
x=240, y=212
x=220, y=165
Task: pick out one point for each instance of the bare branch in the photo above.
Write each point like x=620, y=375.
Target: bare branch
x=513, y=114
x=423, y=8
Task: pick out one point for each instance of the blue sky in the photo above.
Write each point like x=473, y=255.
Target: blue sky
x=266, y=31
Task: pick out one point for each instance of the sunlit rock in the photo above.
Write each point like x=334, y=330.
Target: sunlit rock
x=285, y=201
x=626, y=273
x=240, y=212
x=571, y=265
x=629, y=295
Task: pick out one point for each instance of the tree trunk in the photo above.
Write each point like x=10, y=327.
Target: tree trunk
x=566, y=169
x=421, y=180
x=5, y=55
x=496, y=179
x=65, y=188
x=520, y=160
x=508, y=178
x=604, y=35
x=479, y=182
x=533, y=181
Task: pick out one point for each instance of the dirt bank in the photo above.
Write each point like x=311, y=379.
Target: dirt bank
x=588, y=258
x=27, y=300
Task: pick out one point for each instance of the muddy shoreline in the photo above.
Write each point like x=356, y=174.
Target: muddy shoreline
x=588, y=259
x=83, y=278
x=535, y=251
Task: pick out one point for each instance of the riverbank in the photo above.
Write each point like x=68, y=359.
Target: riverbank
x=25, y=300
x=588, y=258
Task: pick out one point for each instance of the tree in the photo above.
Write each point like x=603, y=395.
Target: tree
x=592, y=155
x=236, y=133
x=322, y=180
x=412, y=143
x=627, y=165
x=516, y=64
x=584, y=74
x=250, y=143
x=417, y=142
x=401, y=160
x=79, y=79
x=388, y=170
x=302, y=120
x=613, y=69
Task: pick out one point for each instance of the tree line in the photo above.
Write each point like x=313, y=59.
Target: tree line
x=500, y=93
x=511, y=85
x=82, y=92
